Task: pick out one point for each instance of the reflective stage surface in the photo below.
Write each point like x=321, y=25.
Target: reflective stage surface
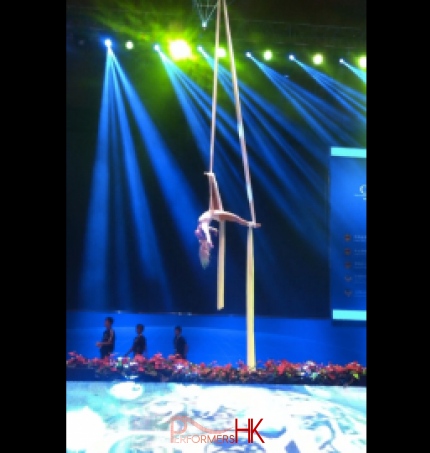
x=128, y=417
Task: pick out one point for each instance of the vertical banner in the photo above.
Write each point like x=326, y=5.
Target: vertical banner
x=348, y=234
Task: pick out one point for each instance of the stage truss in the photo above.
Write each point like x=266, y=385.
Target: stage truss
x=205, y=10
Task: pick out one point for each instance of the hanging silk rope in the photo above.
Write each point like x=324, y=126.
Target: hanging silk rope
x=216, y=211
x=250, y=335
x=240, y=128
x=221, y=237
x=215, y=91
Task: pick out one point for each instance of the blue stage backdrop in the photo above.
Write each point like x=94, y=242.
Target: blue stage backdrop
x=348, y=233
x=222, y=338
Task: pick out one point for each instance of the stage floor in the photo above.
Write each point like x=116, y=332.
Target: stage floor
x=126, y=417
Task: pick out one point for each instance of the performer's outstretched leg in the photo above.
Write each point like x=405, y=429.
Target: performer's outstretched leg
x=215, y=202
x=230, y=217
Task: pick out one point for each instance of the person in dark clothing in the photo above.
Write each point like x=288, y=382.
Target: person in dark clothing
x=179, y=343
x=139, y=343
x=107, y=345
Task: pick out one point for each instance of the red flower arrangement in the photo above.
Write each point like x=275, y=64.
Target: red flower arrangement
x=175, y=369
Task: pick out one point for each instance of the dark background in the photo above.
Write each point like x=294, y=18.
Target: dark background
x=342, y=13
x=291, y=250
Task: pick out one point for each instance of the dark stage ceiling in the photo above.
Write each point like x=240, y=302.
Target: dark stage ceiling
x=318, y=12
x=323, y=23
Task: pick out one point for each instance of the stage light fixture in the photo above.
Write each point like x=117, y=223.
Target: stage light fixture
x=291, y=57
x=157, y=47
x=129, y=45
x=221, y=52
x=362, y=62
x=268, y=55
x=179, y=50
x=317, y=58
x=248, y=54
x=108, y=43
x=341, y=61
x=202, y=51
x=204, y=24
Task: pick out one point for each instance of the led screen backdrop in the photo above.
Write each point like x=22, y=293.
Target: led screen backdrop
x=348, y=233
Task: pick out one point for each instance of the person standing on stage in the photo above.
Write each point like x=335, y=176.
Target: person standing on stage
x=180, y=344
x=139, y=343
x=107, y=345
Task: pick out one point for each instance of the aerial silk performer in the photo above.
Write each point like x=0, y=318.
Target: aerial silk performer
x=215, y=212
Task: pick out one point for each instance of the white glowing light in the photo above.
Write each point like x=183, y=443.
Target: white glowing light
x=83, y=429
x=126, y=391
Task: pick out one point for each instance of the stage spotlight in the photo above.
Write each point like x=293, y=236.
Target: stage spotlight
x=202, y=51
x=108, y=43
x=179, y=49
x=157, y=47
x=291, y=57
x=341, y=61
x=317, y=58
x=248, y=54
x=204, y=24
x=362, y=62
x=221, y=52
x=267, y=55
x=129, y=45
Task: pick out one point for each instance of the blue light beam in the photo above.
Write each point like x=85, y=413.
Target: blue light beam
x=151, y=264
x=362, y=75
x=327, y=122
x=291, y=173
x=175, y=188
x=351, y=99
x=197, y=105
x=93, y=281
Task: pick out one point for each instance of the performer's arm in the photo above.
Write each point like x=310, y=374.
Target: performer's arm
x=205, y=228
